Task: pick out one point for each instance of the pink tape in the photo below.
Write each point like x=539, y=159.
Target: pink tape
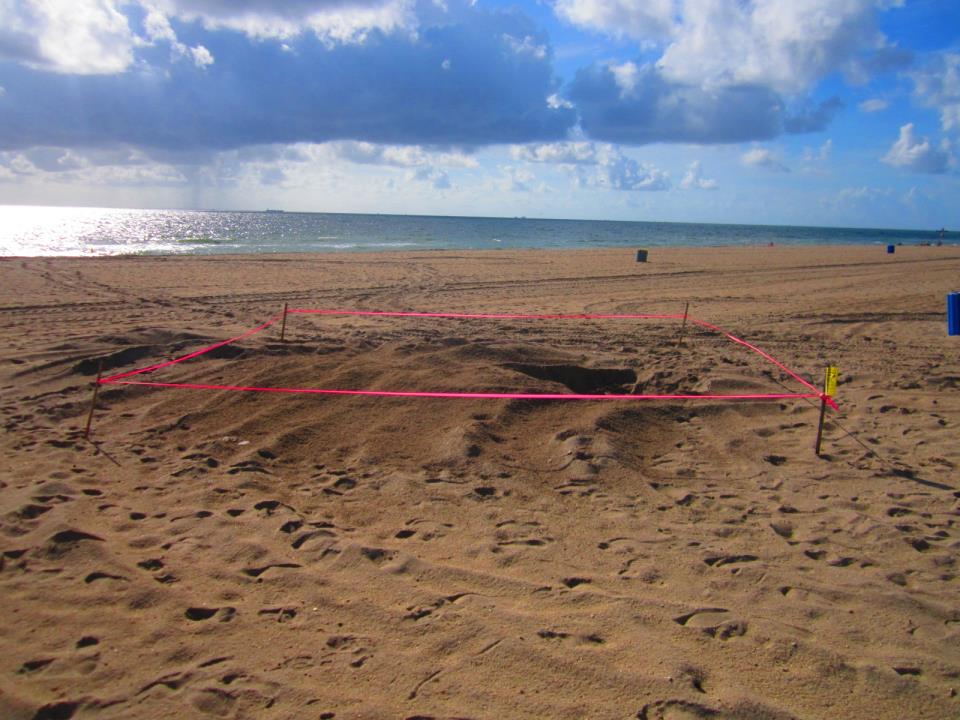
x=118, y=379
x=468, y=395
x=759, y=352
x=487, y=316
x=151, y=368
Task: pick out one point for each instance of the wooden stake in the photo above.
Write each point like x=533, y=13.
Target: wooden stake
x=823, y=410
x=829, y=390
x=93, y=403
x=283, y=324
x=684, y=325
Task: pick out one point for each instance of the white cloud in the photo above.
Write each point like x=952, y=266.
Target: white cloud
x=139, y=176
x=910, y=197
x=616, y=171
x=365, y=153
x=862, y=194
x=645, y=20
x=763, y=158
x=626, y=77
x=117, y=167
x=567, y=153
x=276, y=165
x=863, y=204
x=916, y=154
x=938, y=86
x=596, y=165
x=201, y=56
x=158, y=29
x=85, y=37
x=694, y=180
x=454, y=160
x=555, y=102
x=783, y=45
x=874, y=105
x=811, y=156
x=438, y=179
x=516, y=179
x=349, y=21
x=786, y=46
x=526, y=46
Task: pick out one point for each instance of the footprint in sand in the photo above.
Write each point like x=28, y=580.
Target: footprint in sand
x=676, y=710
x=783, y=529
x=57, y=711
x=269, y=507
x=213, y=701
x=351, y=646
x=378, y=556
x=280, y=614
x=65, y=541
x=590, y=639
x=248, y=466
x=94, y=576
x=721, y=560
x=291, y=526
x=256, y=572
x=425, y=531
x=171, y=681
x=715, y=622
x=515, y=532
x=321, y=538
x=32, y=666
x=200, y=614
x=32, y=512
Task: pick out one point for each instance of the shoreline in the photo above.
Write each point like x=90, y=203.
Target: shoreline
x=629, y=250
x=380, y=251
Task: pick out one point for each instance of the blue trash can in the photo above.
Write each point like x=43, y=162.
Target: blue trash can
x=641, y=255
x=953, y=313
x=890, y=249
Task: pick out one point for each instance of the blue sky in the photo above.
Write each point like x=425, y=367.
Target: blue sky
x=822, y=112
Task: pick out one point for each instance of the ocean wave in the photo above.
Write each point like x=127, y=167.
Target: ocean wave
x=198, y=241
x=350, y=246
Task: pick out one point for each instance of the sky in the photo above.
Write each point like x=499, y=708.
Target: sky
x=791, y=112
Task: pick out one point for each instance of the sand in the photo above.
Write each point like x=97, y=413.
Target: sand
x=289, y=556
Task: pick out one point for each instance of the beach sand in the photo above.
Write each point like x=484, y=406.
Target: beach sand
x=246, y=555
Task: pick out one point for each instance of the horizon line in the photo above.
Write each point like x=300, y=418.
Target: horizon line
x=525, y=218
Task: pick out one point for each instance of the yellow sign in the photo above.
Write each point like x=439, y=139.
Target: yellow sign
x=830, y=382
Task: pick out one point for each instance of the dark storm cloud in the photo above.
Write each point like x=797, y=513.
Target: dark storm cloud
x=645, y=107
x=473, y=83
x=813, y=119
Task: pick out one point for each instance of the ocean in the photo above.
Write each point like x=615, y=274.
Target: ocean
x=48, y=231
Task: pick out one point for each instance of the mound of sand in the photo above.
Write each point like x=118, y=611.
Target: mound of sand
x=262, y=555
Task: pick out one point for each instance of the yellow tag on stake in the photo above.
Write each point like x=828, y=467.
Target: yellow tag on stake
x=830, y=382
